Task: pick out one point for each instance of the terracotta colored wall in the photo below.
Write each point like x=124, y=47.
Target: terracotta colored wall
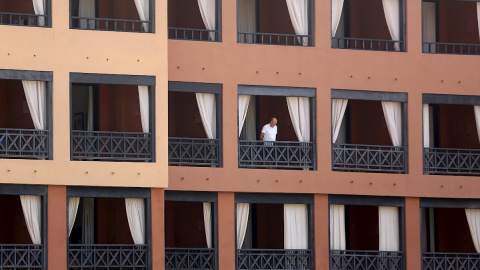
x=458, y=22
x=457, y=127
x=412, y=233
x=17, y=6
x=184, y=14
x=453, y=234
x=269, y=226
x=15, y=230
x=184, y=225
x=367, y=20
x=226, y=232
x=184, y=116
x=362, y=227
x=111, y=222
x=12, y=101
x=158, y=228
x=273, y=17
x=367, y=123
x=275, y=106
x=57, y=227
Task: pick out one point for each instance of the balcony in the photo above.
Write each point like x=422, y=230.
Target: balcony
x=450, y=27
x=24, y=143
x=366, y=260
x=270, y=22
x=368, y=158
x=451, y=161
x=279, y=154
x=193, y=151
x=23, y=13
x=192, y=20
x=112, y=15
x=107, y=256
x=189, y=258
x=446, y=261
x=262, y=259
x=379, y=29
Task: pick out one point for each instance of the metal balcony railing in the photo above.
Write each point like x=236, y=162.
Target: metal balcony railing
x=451, y=161
x=190, y=258
x=24, y=143
x=23, y=19
x=192, y=34
x=368, y=158
x=20, y=256
x=275, y=39
x=279, y=259
x=105, y=24
x=193, y=151
x=98, y=256
x=451, y=48
x=450, y=261
x=103, y=145
x=368, y=44
x=279, y=154
x=366, y=260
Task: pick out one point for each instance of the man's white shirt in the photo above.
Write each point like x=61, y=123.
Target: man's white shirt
x=270, y=133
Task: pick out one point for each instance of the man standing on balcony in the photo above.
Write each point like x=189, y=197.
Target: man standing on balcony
x=269, y=131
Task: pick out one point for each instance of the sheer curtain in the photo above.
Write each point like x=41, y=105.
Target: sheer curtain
x=86, y=9
x=32, y=211
x=429, y=33
x=90, y=109
x=208, y=112
x=337, y=7
x=337, y=227
x=339, y=106
x=243, y=101
x=476, y=110
x=88, y=221
x=143, y=12
x=207, y=220
x=242, y=222
x=478, y=16
x=426, y=126
x=473, y=218
x=135, y=208
x=207, y=10
x=388, y=224
x=251, y=121
x=36, y=95
x=144, y=107
x=299, y=109
x=298, y=10
x=295, y=220
x=247, y=20
x=391, y=9
x=39, y=8
x=72, y=212
x=393, y=117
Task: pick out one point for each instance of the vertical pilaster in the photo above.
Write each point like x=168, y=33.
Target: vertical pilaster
x=412, y=231
x=57, y=227
x=321, y=231
x=226, y=231
x=158, y=228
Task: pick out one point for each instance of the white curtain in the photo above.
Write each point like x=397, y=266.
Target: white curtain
x=88, y=221
x=429, y=25
x=337, y=7
x=243, y=101
x=337, y=227
x=39, y=8
x=391, y=9
x=208, y=112
x=299, y=109
x=473, y=218
x=207, y=10
x=295, y=220
x=393, y=117
x=339, y=106
x=389, y=234
x=86, y=9
x=32, y=211
x=72, y=212
x=251, y=121
x=476, y=109
x=136, y=219
x=207, y=220
x=247, y=19
x=35, y=93
x=242, y=222
x=90, y=109
x=298, y=10
x=143, y=12
x=144, y=107
x=426, y=126
x=478, y=16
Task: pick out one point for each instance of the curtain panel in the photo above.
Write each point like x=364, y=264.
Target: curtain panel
x=86, y=9
x=90, y=109
x=36, y=95
x=478, y=16
x=88, y=221
x=243, y=102
x=393, y=117
x=298, y=10
x=242, y=222
x=473, y=218
x=337, y=227
x=426, y=126
x=207, y=220
x=295, y=220
x=247, y=19
x=429, y=33
x=73, y=203
x=337, y=7
x=32, y=211
x=339, y=106
x=299, y=109
x=391, y=8
x=389, y=232
x=144, y=107
x=143, y=7
x=208, y=112
x=207, y=10
x=39, y=8
x=135, y=208
x=476, y=110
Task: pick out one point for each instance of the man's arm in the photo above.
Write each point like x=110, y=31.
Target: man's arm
x=261, y=136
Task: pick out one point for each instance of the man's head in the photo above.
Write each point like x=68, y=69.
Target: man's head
x=273, y=122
